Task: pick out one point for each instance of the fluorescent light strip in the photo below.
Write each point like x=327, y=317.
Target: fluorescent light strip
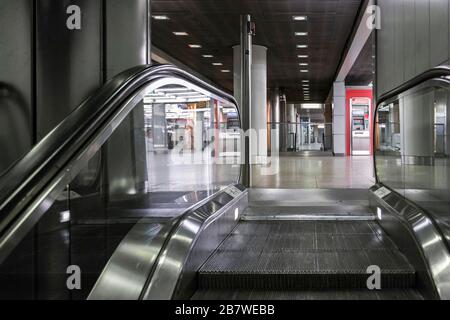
x=299, y=18
x=160, y=17
x=304, y=64
x=173, y=89
x=225, y=71
x=180, y=33
x=207, y=56
x=302, y=56
x=217, y=64
x=301, y=34
x=304, y=71
x=195, y=46
x=302, y=46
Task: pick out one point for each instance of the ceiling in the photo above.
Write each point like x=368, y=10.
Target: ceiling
x=362, y=72
x=215, y=25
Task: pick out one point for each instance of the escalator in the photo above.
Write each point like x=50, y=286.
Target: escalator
x=306, y=255
x=138, y=195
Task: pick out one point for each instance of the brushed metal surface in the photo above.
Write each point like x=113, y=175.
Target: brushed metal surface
x=416, y=235
x=195, y=238
x=126, y=273
x=68, y=62
x=126, y=43
x=16, y=76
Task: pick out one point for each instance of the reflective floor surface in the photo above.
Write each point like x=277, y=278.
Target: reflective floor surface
x=318, y=172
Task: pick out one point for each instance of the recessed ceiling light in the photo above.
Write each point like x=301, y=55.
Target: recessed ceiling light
x=217, y=64
x=161, y=17
x=301, y=34
x=303, y=64
x=302, y=56
x=299, y=18
x=207, y=56
x=180, y=33
x=302, y=46
x=195, y=46
x=225, y=71
x=304, y=70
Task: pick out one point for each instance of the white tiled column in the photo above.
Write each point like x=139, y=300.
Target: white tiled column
x=258, y=110
x=339, y=118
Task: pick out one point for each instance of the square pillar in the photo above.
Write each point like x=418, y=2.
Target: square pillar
x=339, y=119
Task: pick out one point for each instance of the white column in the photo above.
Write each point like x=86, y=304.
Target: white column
x=417, y=127
x=291, y=129
x=339, y=118
x=275, y=128
x=258, y=111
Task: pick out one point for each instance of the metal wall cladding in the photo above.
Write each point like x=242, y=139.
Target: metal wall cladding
x=68, y=62
x=16, y=93
x=127, y=35
x=414, y=37
x=47, y=70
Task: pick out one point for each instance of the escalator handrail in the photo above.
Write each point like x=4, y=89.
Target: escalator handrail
x=437, y=72
x=440, y=72
x=23, y=181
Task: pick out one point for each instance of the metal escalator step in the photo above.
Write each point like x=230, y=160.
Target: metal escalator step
x=304, y=270
x=303, y=255
x=354, y=294
x=301, y=281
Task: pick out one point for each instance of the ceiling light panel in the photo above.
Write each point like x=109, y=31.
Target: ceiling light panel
x=161, y=17
x=299, y=18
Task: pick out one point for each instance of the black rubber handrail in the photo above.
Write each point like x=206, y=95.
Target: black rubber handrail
x=26, y=179
x=434, y=73
x=437, y=72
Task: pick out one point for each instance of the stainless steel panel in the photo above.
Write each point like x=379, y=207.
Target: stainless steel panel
x=422, y=29
x=439, y=31
x=417, y=237
x=16, y=78
x=385, y=47
x=126, y=156
x=197, y=235
x=127, y=35
x=399, y=45
x=409, y=39
x=126, y=273
x=68, y=62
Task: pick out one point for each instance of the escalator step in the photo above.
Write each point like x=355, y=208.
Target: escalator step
x=298, y=281
x=354, y=294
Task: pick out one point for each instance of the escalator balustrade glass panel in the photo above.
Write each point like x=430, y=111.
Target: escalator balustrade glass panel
x=177, y=144
x=412, y=144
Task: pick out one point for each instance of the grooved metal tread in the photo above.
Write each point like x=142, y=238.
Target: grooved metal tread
x=305, y=255
x=354, y=294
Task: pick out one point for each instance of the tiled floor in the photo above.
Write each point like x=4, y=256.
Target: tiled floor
x=317, y=172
